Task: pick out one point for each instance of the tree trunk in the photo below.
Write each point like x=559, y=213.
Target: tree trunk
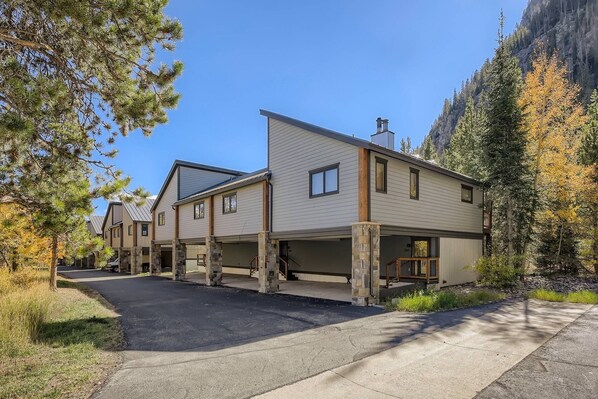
x=509, y=227
x=14, y=265
x=53, y=264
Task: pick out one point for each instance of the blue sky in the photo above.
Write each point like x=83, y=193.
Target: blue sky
x=335, y=63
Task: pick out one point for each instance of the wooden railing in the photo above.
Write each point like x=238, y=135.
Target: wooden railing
x=285, y=267
x=253, y=265
x=201, y=259
x=419, y=269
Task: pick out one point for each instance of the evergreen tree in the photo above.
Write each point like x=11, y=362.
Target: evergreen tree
x=406, y=145
x=504, y=143
x=427, y=150
x=589, y=157
x=464, y=153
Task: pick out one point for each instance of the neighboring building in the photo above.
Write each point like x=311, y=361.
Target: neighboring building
x=126, y=229
x=327, y=204
x=94, y=226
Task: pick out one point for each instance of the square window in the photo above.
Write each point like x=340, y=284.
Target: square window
x=466, y=194
x=198, y=210
x=323, y=181
x=414, y=184
x=381, y=169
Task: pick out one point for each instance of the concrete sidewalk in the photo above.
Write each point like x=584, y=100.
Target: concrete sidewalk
x=455, y=362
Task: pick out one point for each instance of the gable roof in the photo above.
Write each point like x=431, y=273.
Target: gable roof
x=110, y=205
x=96, y=222
x=141, y=213
x=345, y=138
x=177, y=163
x=237, y=182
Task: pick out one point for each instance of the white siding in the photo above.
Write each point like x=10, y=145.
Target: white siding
x=247, y=219
x=193, y=228
x=166, y=232
x=293, y=152
x=439, y=206
x=194, y=180
x=456, y=254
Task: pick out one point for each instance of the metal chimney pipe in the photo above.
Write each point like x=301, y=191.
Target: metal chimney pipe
x=385, y=125
x=379, y=125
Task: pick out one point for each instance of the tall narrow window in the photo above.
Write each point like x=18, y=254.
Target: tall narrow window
x=161, y=219
x=413, y=183
x=198, y=210
x=144, y=230
x=229, y=203
x=466, y=194
x=323, y=181
x=130, y=229
x=381, y=170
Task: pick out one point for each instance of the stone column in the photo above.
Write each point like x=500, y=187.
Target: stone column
x=213, y=261
x=155, y=259
x=136, y=260
x=179, y=258
x=267, y=250
x=365, y=268
x=125, y=260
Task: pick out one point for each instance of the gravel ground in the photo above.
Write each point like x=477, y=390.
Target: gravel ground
x=562, y=284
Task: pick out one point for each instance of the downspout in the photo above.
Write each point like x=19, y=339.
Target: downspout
x=371, y=262
x=270, y=206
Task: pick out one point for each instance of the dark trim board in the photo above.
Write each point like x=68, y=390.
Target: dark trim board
x=313, y=234
x=237, y=238
x=193, y=241
x=386, y=230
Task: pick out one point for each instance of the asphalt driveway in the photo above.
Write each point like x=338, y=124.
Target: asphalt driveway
x=190, y=341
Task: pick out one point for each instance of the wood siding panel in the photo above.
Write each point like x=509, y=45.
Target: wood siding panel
x=293, y=152
x=127, y=239
x=455, y=255
x=193, y=228
x=194, y=180
x=117, y=214
x=247, y=219
x=166, y=232
x=439, y=205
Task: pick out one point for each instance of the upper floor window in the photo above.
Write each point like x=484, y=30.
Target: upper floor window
x=161, y=219
x=144, y=230
x=381, y=170
x=466, y=194
x=323, y=181
x=229, y=203
x=130, y=229
x=413, y=183
x=198, y=210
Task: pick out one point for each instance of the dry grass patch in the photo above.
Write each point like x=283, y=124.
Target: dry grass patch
x=73, y=349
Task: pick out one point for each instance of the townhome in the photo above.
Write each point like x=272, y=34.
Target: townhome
x=126, y=229
x=183, y=179
x=333, y=207
x=94, y=227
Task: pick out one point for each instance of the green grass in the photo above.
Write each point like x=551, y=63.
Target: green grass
x=433, y=301
x=74, y=349
x=584, y=296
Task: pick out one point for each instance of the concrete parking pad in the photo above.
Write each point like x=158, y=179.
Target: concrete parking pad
x=455, y=362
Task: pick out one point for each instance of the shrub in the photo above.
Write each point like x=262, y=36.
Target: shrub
x=498, y=271
x=584, y=296
x=431, y=301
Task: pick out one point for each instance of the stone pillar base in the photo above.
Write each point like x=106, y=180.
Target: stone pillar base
x=365, y=267
x=179, y=257
x=136, y=260
x=155, y=259
x=268, y=267
x=213, y=262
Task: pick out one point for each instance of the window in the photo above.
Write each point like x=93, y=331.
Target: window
x=198, y=210
x=381, y=168
x=414, y=183
x=144, y=230
x=229, y=203
x=323, y=181
x=130, y=229
x=161, y=219
x=118, y=232
x=466, y=194
x=421, y=248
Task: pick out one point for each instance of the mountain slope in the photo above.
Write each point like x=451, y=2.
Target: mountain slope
x=569, y=27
